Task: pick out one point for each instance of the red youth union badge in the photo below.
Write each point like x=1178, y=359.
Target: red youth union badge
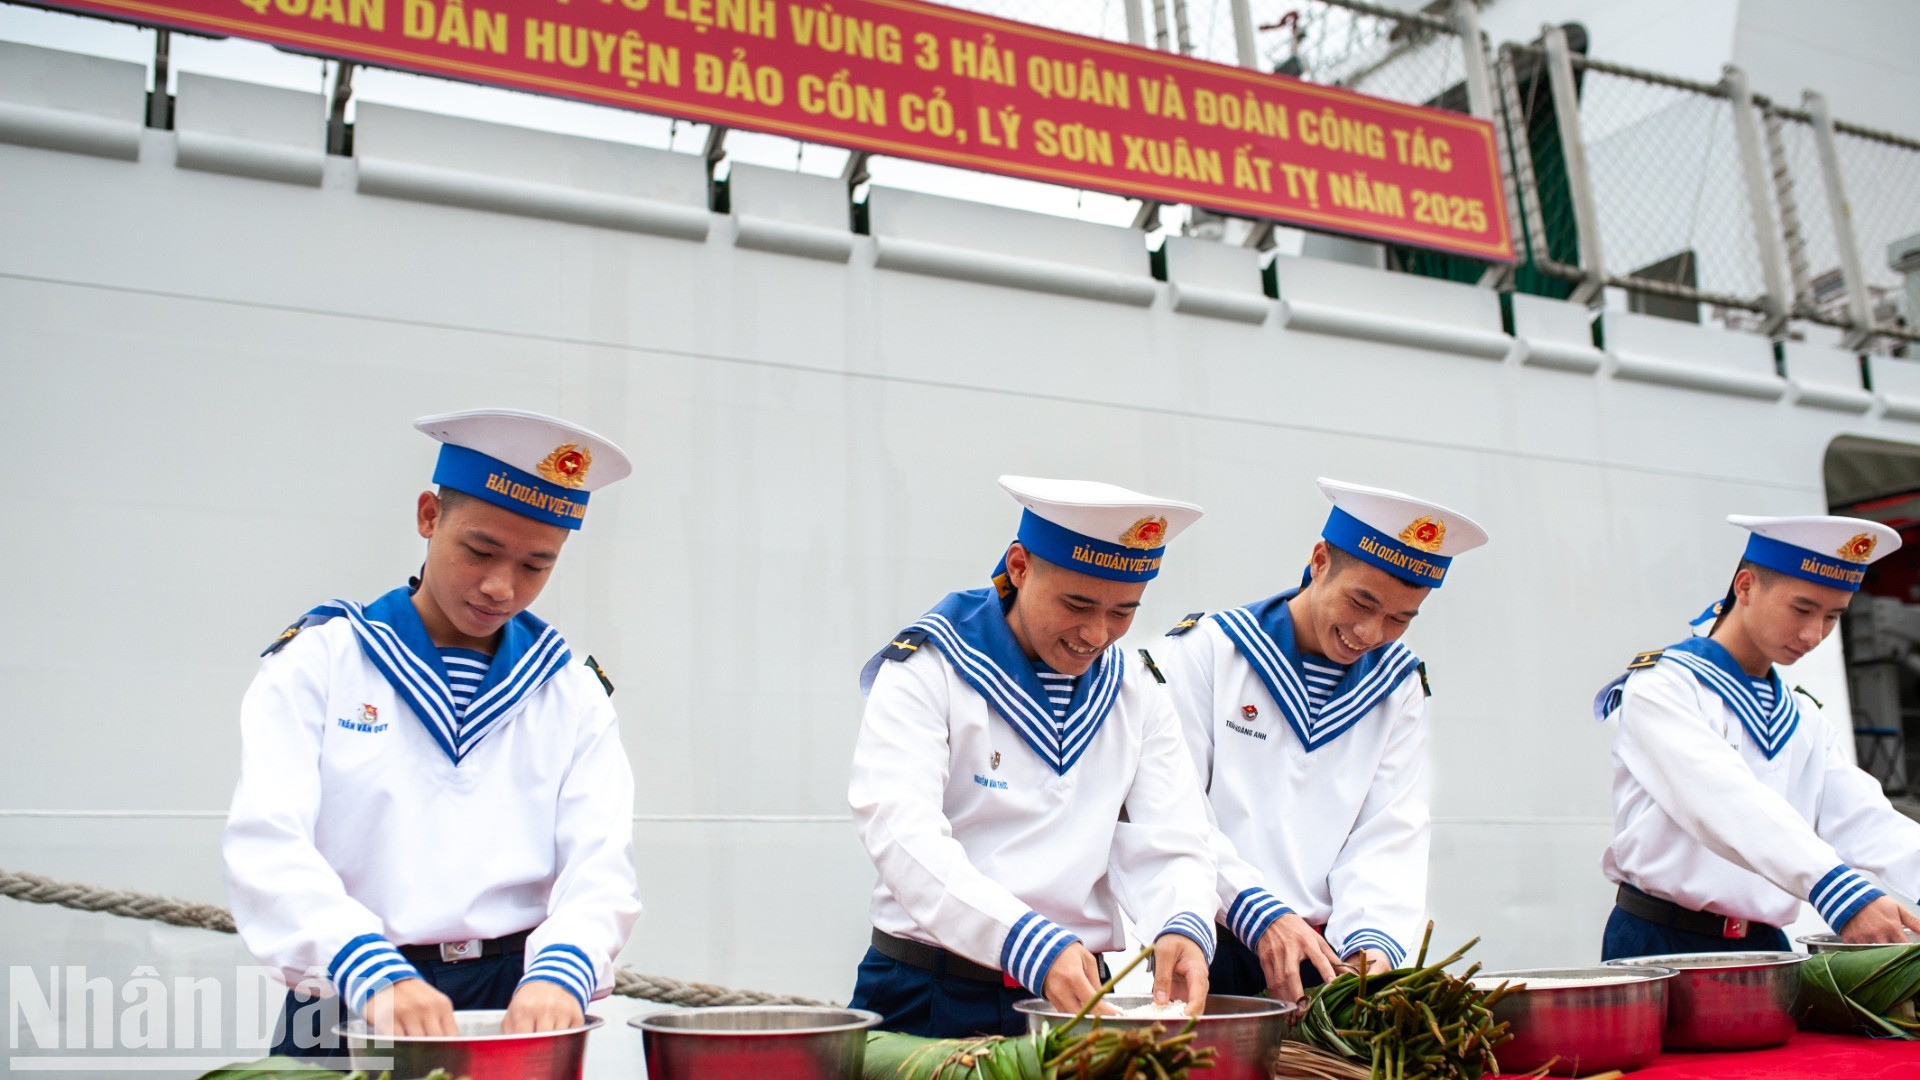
x=1249, y=712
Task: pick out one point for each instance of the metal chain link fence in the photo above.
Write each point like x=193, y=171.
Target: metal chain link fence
x=1668, y=189
x=1881, y=172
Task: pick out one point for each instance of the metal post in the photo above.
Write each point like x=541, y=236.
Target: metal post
x=1183, y=36
x=716, y=147
x=1523, y=187
x=1473, y=51
x=1586, y=219
x=160, y=103
x=855, y=172
x=1859, y=306
x=1160, y=25
x=1136, y=23
x=337, y=111
x=1480, y=102
x=1791, y=233
x=1753, y=166
x=1244, y=39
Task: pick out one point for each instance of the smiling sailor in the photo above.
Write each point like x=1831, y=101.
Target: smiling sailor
x=1018, y=783
x=1307, y=721
x=1731, y=803
x=434, y=810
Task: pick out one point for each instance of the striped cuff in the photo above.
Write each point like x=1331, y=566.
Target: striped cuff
x=365, y=966
x=1841, y=894
x=1031, y=948
x=567, y=966
x=1252, y=912
x=1189, y=925
x=1369, y=938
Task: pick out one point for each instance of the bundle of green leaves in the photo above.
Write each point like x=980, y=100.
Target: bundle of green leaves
x=1868, y=991
x=1080, y=1051
x=1418, y=1021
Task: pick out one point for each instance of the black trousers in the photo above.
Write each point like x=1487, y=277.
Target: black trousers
x=305, y=1029
x=1236, y=969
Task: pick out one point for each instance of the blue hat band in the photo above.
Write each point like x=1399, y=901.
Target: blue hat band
x=474, y=473
x=1801, y=563
x=1370, y=545
x=1097, y=558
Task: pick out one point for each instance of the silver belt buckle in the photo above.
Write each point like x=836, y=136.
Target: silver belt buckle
x=453, y=952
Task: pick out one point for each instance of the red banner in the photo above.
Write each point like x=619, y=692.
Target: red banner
x=910, y=79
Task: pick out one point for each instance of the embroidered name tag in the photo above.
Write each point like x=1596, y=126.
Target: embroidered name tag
x=997, y=785
x=1246, y=730
x=369, y=721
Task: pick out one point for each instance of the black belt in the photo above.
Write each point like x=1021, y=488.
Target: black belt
x=937, y=960
x=1667, y=913
x=941, y=962
x=453, y=952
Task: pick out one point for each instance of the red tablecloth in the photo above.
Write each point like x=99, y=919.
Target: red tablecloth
x=1808, y=1056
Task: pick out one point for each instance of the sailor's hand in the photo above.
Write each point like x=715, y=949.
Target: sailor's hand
x=1287, y=944
x=541, y=1005
x=1884, y=922
x=1179, y=973
x=410, y=1007
x=1376, y=961
x=1073, y=980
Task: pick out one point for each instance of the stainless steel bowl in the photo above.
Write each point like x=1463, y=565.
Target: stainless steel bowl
x=753, y=1042
x=1245, y=1032
x=1727, y=1001
x=479, y=1052
x=1819, y=943
x=1591, y=1028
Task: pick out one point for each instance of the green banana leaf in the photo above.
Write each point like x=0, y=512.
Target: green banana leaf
x=1865, y=991
x=892, y=1056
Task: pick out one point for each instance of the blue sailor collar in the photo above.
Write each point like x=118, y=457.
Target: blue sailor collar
x=1263, y=632
x=970, y=629
x=393, y=637
x=1709, y=661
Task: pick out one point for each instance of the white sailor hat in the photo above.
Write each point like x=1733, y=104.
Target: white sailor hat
x=1412, y=539
x=1832, y=551
x=534, y=465
x=1097, y=529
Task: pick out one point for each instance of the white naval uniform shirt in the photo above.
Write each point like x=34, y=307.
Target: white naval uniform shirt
x=966, y=851
x=1703, y=818
x=343, y=827
x=1338, y=835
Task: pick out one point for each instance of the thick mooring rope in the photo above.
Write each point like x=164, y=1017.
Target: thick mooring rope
x=35, y=889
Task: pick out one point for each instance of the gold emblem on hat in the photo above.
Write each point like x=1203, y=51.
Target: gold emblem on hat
x=1858, y=549
x=1425, y=533
x=567, y=465
x=1146, y=534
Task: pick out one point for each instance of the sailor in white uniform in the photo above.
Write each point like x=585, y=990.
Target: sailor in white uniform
x=1732, y=803
x=1019, y=782
x=434, y=811
x=1307, y=721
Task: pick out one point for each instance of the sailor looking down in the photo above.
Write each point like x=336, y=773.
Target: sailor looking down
x=1018, y=783
x=1307, y=721
x=1732, y=802
x=434, y=811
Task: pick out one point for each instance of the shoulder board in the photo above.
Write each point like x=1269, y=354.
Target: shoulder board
x=904, y=644
x=1802, y=691
x=293, y=630
x=1152, y=668
x=1646, y=659
x=285, y=636
x=601, y=674
x=1425, y=686
x=1186, y=624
